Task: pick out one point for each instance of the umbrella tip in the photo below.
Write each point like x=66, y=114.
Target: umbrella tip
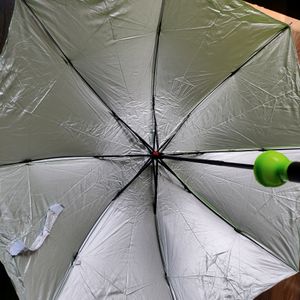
x=155, y=154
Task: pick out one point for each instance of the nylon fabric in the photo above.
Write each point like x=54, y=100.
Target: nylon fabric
x=120, y=259
x=94, y=95
x=84, y=186
x=111, y=44
x=205, y=258
x=201, y=44
x=251, y=110
x=46, y=109
x=268, y=215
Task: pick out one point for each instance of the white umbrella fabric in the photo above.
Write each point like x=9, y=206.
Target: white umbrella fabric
x=110, y=113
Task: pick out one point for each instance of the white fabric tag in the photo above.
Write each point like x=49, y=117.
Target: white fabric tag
x=18, y=247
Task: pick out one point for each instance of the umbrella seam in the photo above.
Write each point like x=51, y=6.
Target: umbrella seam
x=154, y=75
x=224, y=219
x=38, y=160
x=69, y=63
x=62, y=282
x=155, y=171
x=179, y=125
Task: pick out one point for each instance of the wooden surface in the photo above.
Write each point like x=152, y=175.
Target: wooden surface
x=288, y=289
x=292, y=22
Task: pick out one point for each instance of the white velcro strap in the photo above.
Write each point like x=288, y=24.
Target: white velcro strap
x=18, y=247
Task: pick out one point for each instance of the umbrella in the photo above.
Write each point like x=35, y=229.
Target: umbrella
x=126, y=130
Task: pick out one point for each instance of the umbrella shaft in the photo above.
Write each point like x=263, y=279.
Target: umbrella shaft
x=209, y=162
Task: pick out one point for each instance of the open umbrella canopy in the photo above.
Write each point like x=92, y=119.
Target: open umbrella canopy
x=110, y=114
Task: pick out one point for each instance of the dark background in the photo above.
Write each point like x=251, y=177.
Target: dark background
x=6, y=8
x=286, y=7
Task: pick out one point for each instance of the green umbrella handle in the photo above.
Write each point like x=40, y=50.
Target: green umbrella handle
x=272, y=169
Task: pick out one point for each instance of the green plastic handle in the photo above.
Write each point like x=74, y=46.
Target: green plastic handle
x=270, y=168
